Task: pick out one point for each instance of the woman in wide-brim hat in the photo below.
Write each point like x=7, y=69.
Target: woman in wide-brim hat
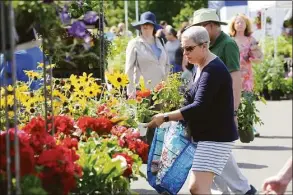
x=146, y=55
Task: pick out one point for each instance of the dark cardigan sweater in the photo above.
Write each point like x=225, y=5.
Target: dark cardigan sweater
x=209, y=105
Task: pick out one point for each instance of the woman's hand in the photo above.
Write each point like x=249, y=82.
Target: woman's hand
x=156, y=121
x=274, y=185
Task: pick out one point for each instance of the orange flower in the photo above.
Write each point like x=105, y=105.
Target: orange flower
x=139, y=99
x=159, y=87
x=144, y=93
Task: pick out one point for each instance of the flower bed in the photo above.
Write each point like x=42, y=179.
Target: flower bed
x=90, y=144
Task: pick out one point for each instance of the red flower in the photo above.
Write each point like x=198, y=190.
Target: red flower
x=129, y=162
x=42, y=142
x=26, y=153
x=70, y=143
x=139, y=147
x=59, y=170
x=62, y=124
x=35, y=126
x=100, y=125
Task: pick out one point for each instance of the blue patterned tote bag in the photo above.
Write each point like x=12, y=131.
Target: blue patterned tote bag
x=170, y=158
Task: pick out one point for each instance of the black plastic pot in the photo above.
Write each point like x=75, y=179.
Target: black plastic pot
x=276, y=95
x=246, y=136
x=266, y=94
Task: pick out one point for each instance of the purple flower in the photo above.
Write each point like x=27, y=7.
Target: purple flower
x=65, y=18
x=90, y=17
x=87, y=38
x=65, y=8
x=77, y=29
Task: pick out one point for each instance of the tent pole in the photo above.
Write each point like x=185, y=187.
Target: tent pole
x=275, y=34
x=126, y=16
x=136, y=14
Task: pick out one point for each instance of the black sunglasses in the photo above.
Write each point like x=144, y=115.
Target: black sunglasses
x=188, y=48
x=191, y=48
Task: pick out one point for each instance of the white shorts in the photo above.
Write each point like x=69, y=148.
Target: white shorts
x=211, y=156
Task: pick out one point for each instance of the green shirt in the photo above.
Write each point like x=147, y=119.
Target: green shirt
x=227, y=50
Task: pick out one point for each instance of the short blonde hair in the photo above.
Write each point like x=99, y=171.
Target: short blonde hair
x=232, y=30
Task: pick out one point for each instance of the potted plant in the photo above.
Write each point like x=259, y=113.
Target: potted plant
x=247, y=116
x=257, y=20
x=168, y=95
x=274, y=78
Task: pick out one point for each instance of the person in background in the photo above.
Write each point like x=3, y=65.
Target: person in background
x=278, y=183
x=146, y=56
x=122, y=30
x=227, y=50
x=180, y=59
x=161, y=33
x=240, y=31
x=182, y=27
x=172, y=45
x=111, y=35
x=208, y=111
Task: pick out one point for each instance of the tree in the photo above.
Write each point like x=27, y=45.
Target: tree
x=186, y=12
x=174, y=12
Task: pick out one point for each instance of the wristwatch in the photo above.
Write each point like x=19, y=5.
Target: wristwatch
x=166, y=118
x=235, y=112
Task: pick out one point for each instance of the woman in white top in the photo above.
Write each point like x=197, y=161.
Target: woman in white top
x=146, y=55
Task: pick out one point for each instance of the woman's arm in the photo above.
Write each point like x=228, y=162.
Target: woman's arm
x=255, y=54
x=208, y=86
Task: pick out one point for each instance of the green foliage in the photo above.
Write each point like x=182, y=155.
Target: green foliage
x=187, y=11
x=182, y=10
x=288, y=89
x=145, y=111
x=169, y=97
x=284, y=46
x=247, y=111
x=116, y=60
x=102, y=174
x=31, y=185
x=269, y=74
x=275, y=75
x=41, y=16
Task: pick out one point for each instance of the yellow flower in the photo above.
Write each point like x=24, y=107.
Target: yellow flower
x=10, y=114
x=57, y=94
x=117, y=79
x=73, y=79
x=112, y=102
x=77, y=95
x=41, y=65
x=32, y=75
x=9, y=88
x=86, y=78
x=23, y=97
x=10, y=100
x=141, y=83
x=2, y=91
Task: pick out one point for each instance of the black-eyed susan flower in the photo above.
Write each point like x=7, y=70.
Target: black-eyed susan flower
x=117, y=79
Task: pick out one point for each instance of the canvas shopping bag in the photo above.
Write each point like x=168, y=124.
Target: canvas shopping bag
x=170, y=151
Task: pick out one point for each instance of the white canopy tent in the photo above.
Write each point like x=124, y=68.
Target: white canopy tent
x=278, y=11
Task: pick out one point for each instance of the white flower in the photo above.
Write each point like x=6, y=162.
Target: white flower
x=123, y=161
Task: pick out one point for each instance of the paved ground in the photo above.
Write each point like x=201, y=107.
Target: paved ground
x=261, y=158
